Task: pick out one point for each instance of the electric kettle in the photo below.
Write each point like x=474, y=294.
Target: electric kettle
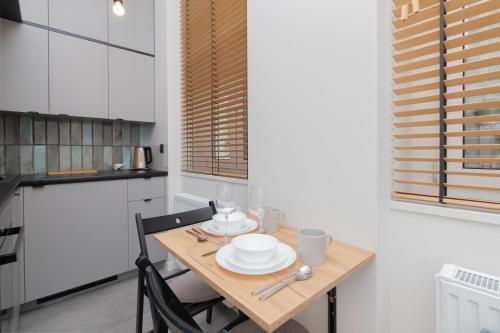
x=142, y=158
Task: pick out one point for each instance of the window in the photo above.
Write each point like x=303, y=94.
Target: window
x=214, y=93
x=446, y=108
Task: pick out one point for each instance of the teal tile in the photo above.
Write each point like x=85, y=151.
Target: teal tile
x=11, y=130
x=40, y=159
x=107, y=160
x=64, y=132
x=76, y=157
x=26, y=159
x=11, y=159
x=117, y=155
x=39, y=136
x=126, y=157
x=97, y=132
x=87, y=132
x=107, y=133
x=64, y=158
x=87, y=157
x=97, y=156
x=52, y=157
x=134, y=135
x=144, y=133
x=25, y=131
x=52, y=132
x=117, y=133
x=126, y=134
x=76, y=132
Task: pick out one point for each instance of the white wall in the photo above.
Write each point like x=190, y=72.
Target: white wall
x=417, y=245
x=313, y=129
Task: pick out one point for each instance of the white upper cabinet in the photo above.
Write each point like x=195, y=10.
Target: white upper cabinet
x=78, y=77
x=135, y=29
x=82, y=17
x=36, y=11
x=131, y=86
x=24, y=73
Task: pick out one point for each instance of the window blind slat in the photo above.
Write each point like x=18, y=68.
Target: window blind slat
x=214, y=108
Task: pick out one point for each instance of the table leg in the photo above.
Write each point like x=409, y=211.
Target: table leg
x=332, y=311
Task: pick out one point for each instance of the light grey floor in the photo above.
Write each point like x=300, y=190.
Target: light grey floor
x=108, y=308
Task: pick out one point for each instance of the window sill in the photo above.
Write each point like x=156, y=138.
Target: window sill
x=216, y=178
x=449, y=212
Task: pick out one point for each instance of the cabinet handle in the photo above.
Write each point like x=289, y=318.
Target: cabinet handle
x=37, y=186
x=148, y=200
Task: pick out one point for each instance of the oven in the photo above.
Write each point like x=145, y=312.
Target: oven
x=11, y=270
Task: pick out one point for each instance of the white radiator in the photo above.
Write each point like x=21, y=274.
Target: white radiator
x=467, y=301
x=185, y=201
x=182, y=203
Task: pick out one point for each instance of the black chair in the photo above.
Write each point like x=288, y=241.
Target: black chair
x=169, y=313
x=195, y=295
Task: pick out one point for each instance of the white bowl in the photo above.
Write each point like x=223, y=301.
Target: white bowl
x=254, y=248
x=235, y=220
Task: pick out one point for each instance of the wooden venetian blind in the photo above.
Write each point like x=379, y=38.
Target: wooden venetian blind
x=446, y=117
x=214, y=79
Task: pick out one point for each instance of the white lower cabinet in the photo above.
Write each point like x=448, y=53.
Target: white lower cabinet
x=75, y=234
x=148, y=208
x=12, y=275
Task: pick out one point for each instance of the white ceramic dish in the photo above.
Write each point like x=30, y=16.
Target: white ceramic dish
x=278, y=258
x=284, y=250
x=235, y=220
x=255, y=248
x=247, y=226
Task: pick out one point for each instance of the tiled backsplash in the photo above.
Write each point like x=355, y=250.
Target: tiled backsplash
x=37, y=144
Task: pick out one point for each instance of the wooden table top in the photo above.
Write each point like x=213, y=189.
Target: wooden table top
x=341, y=261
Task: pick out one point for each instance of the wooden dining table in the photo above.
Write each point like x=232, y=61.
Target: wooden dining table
x=342, y=260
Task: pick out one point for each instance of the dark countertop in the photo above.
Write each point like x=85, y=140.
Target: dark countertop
x=10, y=183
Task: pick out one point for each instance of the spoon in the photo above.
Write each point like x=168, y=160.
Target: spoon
x=257, y=291
x=301, y=274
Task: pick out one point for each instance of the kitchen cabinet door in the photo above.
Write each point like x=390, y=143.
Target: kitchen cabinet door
x=131, y=86
x=78, y=77
x=12, y=274
x=135, y=29
x=36, y=11
x=82, y=17
x=75, y=234
x=148, y=208
x=24, y=76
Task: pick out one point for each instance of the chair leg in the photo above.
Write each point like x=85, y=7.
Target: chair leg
x=209, y=314
x=140, y=303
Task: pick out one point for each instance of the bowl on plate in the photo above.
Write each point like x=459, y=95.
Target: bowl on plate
x=235, y=220
x=254, y=248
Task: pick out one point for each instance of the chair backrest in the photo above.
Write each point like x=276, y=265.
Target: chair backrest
x=171, y=310
x=168, y=222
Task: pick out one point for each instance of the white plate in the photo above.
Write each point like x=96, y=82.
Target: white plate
x=278, y=258
x=225, y=252
x=211, y=228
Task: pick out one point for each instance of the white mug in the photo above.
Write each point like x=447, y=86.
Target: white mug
x=312, y=246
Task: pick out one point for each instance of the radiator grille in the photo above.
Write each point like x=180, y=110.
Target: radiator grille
x=182, y=203
x=478, y=280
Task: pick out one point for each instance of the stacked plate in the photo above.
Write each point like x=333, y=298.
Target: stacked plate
x=238, y=224
x=255, y=254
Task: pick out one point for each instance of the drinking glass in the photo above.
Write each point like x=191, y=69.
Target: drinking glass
x=256, y=201
x=224, y=204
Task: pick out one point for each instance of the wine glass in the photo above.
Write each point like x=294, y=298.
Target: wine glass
x=224, y=204
x=256, y=201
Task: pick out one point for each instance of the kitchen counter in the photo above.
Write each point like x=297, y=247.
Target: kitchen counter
x=9, y=184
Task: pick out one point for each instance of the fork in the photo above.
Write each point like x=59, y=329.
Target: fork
x=201, y=238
